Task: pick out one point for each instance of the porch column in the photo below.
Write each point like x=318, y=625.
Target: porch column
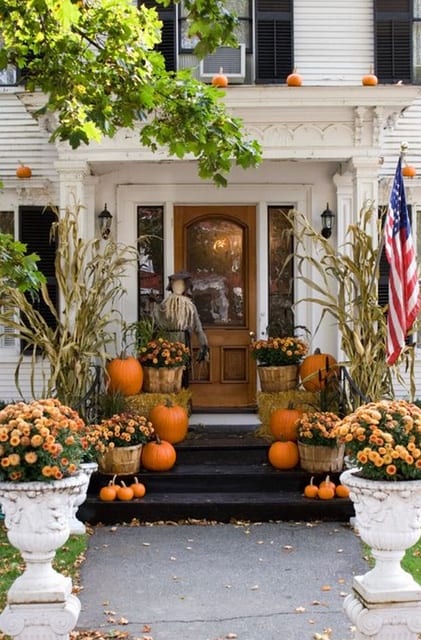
x=77, y=188
x=365, y=173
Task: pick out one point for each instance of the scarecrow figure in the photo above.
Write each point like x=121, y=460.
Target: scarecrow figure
x=178, y=316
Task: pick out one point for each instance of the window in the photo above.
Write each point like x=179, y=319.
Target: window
x=281, y=293
x=7, y=225
x=150, y=233
x=272, y=22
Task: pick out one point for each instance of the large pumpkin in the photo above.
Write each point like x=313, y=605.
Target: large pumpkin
x=283, y=455
x=125, y=374
x=170, y=421
x=315, y=370
x=283, y=423
x=158, y=455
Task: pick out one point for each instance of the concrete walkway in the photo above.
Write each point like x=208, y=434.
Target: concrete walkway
x=260, y=581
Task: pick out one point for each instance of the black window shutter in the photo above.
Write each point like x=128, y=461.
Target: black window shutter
x=34, y=230
x=393, y=41
x=168, y=44
x=274, y=58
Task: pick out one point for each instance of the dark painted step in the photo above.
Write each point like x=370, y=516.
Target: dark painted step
x=221, y=473
x=255, y=506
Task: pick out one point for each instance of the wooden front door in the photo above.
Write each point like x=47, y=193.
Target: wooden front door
x=217, y=246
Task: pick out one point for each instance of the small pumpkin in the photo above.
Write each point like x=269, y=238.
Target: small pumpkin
x=369, y=79
x=409, y=171
x=315, y=370
x=23, y=171
x=325, y=492
x=327, y=482
x=109, y=492
x=220, y=79
x=283, y=455
x=294, y=79
x=138, y=488
x=158, y=455
x=311, y=490
x=124, y=492
x=283, y=423
x=170, y=421
x=341, y=491
x=125, y=374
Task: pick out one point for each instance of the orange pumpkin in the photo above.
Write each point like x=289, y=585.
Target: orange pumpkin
x=138, y=488
x=283, y=423
x=23, y=171
x=158, y=455
x=325, y=492
x=369, y=79
x=409, y=171
x=342, y=491
x=124, y=492
x=311, y=490
x=327, y=482
x=315, y=370
x=170, y=421
x=220, y=79
x=294, y=79
x=283, y=455
x=125, y=374
x=109, y=492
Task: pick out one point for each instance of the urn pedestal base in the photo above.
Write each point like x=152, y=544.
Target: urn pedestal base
x=52, y=621
x=386, y=621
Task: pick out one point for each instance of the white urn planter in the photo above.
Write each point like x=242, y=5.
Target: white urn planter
x=40, y=603
x=388, y=519
x=76, y=526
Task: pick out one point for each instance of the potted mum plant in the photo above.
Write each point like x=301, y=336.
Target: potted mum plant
x=383, y=446
x=278, y=360
x=163, y=364
x=318, y=442
x=42, y=444
x=118, y=442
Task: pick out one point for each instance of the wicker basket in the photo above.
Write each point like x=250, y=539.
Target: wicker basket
x=121, y=460
x=282, y=378
x=162, y=379
x=318, y=459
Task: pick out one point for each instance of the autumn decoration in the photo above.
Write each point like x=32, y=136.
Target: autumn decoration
x=158, y=455
x=125, y=375
x=23, y=172
x=170, y=421
x=283, y=455
x=220, y=79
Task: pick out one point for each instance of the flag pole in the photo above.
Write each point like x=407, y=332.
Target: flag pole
x=404, y=147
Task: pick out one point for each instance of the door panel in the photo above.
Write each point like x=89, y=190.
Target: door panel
x=217, y=246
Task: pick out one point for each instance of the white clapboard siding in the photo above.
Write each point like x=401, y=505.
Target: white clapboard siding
x=333, y=41
x=22, y=139
x=405, y=127
x=8, y=390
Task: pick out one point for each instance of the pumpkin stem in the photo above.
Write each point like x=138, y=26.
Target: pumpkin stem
x=221, y=70
x=113, y=480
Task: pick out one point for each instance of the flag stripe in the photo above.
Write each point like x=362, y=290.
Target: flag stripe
x=404, y=299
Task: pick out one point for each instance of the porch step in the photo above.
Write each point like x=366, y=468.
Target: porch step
x=222, y=473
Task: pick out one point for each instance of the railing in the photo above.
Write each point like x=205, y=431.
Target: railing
x=89, y=406
x=350, y=395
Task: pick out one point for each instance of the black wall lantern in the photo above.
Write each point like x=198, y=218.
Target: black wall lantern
x=105, y=219
x=327, y=221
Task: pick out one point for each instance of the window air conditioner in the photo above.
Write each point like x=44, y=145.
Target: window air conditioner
x=232, y=60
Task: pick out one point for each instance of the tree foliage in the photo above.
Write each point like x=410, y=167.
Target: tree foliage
x=97, y=64
x=18, y=269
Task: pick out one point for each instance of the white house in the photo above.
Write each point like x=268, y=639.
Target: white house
x=331, y=140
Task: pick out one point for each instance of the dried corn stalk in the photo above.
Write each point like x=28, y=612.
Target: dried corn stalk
x=345, y=286
x=89, y=280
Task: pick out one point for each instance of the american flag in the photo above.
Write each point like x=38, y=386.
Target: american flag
x=404, y=300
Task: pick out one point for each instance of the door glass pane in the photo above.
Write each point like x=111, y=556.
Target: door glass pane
x=281, y=320
x=150, y=233
x=216, y=263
